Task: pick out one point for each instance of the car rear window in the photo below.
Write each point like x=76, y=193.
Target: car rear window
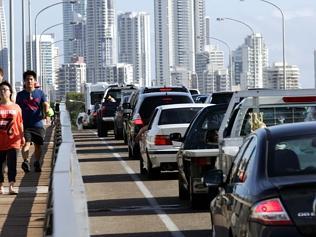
x=279, y=115
x=150, y=103
x=293, y=156
x=177, y=116
x=119, y=93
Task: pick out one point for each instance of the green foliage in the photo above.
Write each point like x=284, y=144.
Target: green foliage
x=74, y=105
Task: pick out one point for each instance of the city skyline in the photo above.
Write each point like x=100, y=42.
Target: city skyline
x=263, y=18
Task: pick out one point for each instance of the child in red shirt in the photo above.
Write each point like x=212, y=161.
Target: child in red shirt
x=11, y=133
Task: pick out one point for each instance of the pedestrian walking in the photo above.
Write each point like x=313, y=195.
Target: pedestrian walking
x=35, y=107
x=11, y=133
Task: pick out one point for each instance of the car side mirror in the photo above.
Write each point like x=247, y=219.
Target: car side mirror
x=177, y=137
x=213, y=178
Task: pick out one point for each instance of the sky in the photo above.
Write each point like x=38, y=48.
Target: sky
x=300, y=33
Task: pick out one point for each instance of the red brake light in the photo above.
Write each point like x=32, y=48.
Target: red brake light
x=162, y=140
x=301, y=99
x=165, y=89
x=167, y=99
x=270, y=212
x=138, y=120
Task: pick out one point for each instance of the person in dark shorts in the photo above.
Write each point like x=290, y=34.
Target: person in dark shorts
x=34, y=105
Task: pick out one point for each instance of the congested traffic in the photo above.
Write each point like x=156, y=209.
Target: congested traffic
x=248, y=155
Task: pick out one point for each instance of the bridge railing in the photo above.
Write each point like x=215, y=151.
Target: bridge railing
x=69, y=203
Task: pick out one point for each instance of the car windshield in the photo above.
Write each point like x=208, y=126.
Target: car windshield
x=177, y=116
x=202, y=133
x=292, y=156
x=150, y=103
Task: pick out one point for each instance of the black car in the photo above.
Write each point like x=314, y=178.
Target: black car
x=198, y=153
x=141, y=113
x=270, y=189
x=111, y=100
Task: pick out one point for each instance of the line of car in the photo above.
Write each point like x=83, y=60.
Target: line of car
x=228, y=153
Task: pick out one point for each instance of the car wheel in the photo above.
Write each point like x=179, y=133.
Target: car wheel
x=152, y=173
x=183, y=193
x=125, y=137
x=142, y=170
x=103, y=132
x=130, y=153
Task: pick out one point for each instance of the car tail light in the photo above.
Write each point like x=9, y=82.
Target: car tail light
x=162, y=140
x=270, y=212
x=137, y=120
x=201, y=161
x=300, y=99
x=165, y=89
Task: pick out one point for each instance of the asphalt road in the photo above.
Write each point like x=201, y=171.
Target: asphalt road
x=122, y=203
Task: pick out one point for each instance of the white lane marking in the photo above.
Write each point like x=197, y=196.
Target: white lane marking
x=170, y=225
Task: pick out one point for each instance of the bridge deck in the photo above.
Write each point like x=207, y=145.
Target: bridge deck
x=24, y=214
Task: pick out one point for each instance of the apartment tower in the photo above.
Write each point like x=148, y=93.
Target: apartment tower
x=179, y=33
x=134, y=45
x=101, y=39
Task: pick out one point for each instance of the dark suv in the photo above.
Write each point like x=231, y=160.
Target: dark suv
x=141, y=113
x=111, y=100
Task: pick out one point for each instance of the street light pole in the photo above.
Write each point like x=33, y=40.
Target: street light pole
x=23, y=37
x=35, y=26
x=12, y=63
x=230, y=59
x=40, y=54
x=253, y=42
x=283, y=40
x=30, y=35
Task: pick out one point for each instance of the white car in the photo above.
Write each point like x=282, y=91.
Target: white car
x=157, y=151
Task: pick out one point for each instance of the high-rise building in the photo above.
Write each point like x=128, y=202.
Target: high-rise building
x=71, y=77
x=249, y=60
x=121, y=73
x=211, y=56
x=4, y=54
x=134, y=45
x=274, y=79
x=179, y=32
x=74, y=19
x=45, y=55
x=101, y=39
x=207, y=30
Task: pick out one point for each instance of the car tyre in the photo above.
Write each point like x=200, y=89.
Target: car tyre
x=152, y=173
x=183, y=193
x=142, y=170
x=130, y=153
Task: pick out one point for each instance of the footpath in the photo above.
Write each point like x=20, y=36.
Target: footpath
x=24, y=214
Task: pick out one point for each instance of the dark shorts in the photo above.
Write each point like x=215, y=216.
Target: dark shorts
x=35, y=135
